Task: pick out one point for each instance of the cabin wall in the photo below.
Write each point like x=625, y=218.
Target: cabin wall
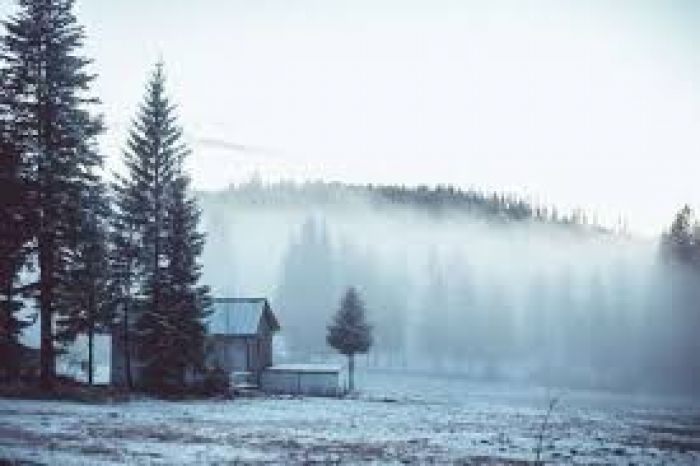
x=264, y=345
x=232, y=354
x=265, y=351
x=228, y=353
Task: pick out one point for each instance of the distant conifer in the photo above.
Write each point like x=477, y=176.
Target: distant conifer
x=349, y=333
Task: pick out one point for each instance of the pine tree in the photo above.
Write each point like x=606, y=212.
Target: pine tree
x=15, y=231
x=85, y=298
x=187, y=301
x=349, y=333
x=156, y=210
x=680, y=243
x=55, y=130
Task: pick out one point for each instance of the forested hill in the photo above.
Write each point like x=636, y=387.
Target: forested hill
x=435, y=201
x=456, y=281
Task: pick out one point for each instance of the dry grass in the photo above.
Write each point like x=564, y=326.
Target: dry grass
x=64, y=390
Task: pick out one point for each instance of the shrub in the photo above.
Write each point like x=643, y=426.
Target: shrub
x=215, y=382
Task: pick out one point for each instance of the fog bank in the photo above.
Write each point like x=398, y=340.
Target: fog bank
x=453, y=292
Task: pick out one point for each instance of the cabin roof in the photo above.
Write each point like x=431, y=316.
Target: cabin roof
x=240, y=316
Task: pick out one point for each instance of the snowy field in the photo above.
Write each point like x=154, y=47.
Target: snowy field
x=396, y=419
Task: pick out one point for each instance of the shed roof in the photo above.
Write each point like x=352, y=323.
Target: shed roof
x=240, y=316
x=306, y=368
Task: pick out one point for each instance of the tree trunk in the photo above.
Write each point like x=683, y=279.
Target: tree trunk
x=127, y=343
x=127, y=311
x=11, y=367
x=91, y=334
x=47, y=362
x=158, y=230
x=91, y=344
x=46, y=236
x=351, y=372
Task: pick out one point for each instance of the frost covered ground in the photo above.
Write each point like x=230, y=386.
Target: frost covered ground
x=397, y=419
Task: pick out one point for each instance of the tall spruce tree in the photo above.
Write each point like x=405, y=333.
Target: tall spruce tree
x=154, y=200
x=15, y=233
x=55, y=129
x=187, y=300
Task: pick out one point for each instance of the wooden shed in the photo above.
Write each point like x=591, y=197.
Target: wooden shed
x=302, y=379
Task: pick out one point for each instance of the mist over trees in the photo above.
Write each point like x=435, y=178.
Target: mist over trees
x=308, y=284
x=460, y=281
x=680, y=250
x=451, y=290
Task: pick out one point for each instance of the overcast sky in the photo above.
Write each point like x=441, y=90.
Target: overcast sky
x=583, y=103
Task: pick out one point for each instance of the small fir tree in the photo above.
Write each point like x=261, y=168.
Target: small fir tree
x=349, y=333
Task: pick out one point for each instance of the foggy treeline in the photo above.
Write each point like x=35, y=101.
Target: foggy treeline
x=462, y=289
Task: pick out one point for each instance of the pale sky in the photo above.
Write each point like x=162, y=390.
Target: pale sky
x=582, y=103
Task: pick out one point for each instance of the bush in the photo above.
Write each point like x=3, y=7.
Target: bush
x=215, y=382
x=204, y=383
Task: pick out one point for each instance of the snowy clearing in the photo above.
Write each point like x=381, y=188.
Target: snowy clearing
x=397, y=419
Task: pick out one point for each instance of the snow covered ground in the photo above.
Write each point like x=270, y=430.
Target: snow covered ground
x=396, y=419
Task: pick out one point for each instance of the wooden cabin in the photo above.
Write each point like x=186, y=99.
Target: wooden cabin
x=238, y=340
x=239, y=336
